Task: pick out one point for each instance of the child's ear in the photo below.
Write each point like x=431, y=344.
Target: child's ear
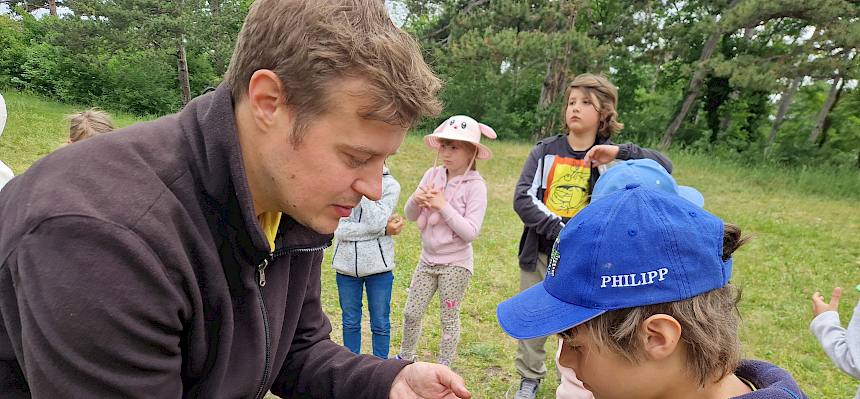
x=662, y=335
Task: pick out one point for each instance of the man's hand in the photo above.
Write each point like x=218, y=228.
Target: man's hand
x=601, y=155
x=428, y=381
x=819, y=306
x=394, y=226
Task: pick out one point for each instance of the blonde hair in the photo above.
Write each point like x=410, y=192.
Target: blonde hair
x=709, y=325
x=605, y=93
x=311, y=44
x=89, y=123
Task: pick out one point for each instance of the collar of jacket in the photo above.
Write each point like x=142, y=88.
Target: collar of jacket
x=210, y=125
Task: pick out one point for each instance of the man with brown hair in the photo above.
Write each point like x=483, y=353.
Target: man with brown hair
x=184, y=257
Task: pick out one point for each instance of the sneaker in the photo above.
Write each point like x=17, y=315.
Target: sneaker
x=528, y=389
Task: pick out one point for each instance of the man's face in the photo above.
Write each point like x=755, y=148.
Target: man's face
x=339, y=160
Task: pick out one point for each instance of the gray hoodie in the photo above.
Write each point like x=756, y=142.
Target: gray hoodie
x=5, y=173
x=841, y=345
x=362, y=247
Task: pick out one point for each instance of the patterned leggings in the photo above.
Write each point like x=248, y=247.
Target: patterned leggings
x=451, y=282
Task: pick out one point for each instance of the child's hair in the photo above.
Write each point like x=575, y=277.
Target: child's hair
x=472, y=148
x=89, y=123
x=605, y=93
x=709, y=325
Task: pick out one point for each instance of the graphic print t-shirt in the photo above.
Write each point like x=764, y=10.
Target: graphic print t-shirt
x=567, y=186
x=561, y=183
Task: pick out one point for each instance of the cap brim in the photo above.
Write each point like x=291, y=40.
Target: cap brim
x=692, y=195
x=536, y=313
x=431, y=140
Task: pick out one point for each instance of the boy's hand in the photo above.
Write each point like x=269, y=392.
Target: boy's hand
x=601, y=154
x=394, y=226
x=819, y=306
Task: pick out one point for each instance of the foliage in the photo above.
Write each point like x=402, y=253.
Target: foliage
x=504, y=62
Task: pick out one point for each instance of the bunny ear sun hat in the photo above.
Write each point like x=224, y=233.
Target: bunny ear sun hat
x=462, y=128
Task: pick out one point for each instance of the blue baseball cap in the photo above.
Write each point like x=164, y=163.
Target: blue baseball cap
x=634, y=247
x=648, y=174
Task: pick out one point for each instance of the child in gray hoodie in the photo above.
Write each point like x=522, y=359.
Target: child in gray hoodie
x=841, y=345
x=5, y=172
x=363, y=259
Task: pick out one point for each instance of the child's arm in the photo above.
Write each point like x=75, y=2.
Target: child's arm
x=606, y=153
x=841, y=346
x=373, y=216
x=468, y=225
x=528, y=205
x=412, y=209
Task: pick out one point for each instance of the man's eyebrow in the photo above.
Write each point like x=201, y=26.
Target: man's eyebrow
x=366, y=150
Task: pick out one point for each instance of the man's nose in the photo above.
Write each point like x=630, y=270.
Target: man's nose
x=369, y=183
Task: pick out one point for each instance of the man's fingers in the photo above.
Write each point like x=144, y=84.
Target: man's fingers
x=455, y=383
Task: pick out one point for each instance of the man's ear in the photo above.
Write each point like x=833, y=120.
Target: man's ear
x=266, y=98
x=662, y=335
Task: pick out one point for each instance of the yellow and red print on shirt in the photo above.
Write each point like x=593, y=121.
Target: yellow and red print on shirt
x=567, y=186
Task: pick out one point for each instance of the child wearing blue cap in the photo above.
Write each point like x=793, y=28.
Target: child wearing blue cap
x=638, y=288
x=842, y=345
x=555, y=183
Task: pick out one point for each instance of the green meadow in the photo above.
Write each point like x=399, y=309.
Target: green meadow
x=805, y=224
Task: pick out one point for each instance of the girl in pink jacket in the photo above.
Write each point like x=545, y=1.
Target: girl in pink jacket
x=449, y=207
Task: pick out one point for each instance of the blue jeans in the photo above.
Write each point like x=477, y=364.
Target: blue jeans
x=349, y=291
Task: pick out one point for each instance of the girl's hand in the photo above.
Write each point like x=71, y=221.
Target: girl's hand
x=421, y=197
x=436, y=200
x=819, y=306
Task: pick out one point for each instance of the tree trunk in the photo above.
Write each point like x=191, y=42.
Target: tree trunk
x=52, y=6
x=695, y=84
x=835, y=89
x=182, y=66
x=556, y=75
x=785, y=102
x=215, y=7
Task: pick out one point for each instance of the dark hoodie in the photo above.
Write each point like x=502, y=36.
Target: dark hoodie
x=540, y=225
x=133, y=266
x=771, y=382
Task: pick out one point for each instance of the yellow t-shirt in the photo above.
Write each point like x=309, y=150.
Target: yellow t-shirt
x=269, y=222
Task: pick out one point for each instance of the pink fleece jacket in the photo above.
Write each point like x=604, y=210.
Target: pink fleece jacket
x=447, y=234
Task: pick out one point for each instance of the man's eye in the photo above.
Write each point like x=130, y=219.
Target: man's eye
x=355, y=162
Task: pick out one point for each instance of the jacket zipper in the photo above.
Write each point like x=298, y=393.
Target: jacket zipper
x=261, y=280
x=381, y=254
x=355, y=245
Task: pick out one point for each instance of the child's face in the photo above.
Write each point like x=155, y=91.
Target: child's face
x=456, y=155
x=605, y=373
x=581, y=115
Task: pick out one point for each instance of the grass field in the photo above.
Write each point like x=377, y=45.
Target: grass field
x=805, y=222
